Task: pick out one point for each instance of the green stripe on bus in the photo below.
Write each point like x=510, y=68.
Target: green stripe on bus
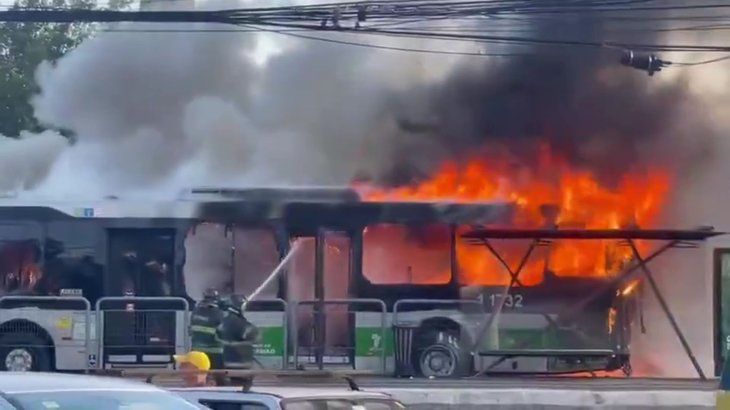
x=271, y=341
x=369, y=341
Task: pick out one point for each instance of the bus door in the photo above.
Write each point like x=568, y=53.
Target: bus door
x=321, y=271
x=141, y=264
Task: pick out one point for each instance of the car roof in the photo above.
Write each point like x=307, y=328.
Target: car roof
x=292, y=392
x=298, y=392
x=27, y=382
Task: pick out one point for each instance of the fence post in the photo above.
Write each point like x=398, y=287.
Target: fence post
x=295, y=333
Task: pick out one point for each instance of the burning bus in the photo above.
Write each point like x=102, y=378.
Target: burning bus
x=411, y=287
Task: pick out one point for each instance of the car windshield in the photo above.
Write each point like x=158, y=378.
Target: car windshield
x=98, y=400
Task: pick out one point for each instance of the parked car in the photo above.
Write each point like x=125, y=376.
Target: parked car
x=288, y=398
x=56, y=391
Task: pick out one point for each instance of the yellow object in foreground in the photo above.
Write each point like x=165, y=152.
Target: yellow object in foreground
x=723, y=400
x=198, y=359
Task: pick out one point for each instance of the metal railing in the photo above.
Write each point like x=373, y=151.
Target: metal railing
x=38, y=324
x=137, y=333
x=294, y=310
x=122, y=305
x=251, y=308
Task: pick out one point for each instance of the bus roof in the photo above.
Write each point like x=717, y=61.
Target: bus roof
x=301, y=209
x=700, y=234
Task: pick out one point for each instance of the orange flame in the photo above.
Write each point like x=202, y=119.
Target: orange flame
x=577, y=196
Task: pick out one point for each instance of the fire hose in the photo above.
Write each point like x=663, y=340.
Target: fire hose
x=274, y=274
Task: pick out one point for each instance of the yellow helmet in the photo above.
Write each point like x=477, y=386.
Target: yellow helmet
x=198, y=359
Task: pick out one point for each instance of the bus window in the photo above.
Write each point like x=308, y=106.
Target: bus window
x=20, y=252
x=208, y=260
x=233, y=260
x=336, y=286
x=479, y=267
x=398, y=254
x=19, y=264
x=301, y=282
x=300, y=278
x=255, y=257
x=140, y=262
x=71, y=260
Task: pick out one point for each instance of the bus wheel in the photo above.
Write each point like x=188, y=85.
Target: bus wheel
x=443, y=356
x=21, y=352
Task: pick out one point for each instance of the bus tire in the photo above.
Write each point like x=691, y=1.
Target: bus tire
x=24, y=352
x=442, y=355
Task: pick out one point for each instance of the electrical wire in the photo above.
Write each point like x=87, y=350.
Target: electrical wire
x=696, y=63
x=383, y=17
x=391, y=48
x=292, y=33
x=518, y=40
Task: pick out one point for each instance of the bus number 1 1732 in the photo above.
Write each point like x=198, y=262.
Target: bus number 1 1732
x=511, y=301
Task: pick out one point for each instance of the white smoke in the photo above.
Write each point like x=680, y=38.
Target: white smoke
x=129, y=98
x=156, y=112
x=685, y=277
x=27, y=160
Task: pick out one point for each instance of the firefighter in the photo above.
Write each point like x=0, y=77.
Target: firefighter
x=238, y=336
x=204, y=323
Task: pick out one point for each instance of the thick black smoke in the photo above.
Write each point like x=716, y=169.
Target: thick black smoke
x=587, y=107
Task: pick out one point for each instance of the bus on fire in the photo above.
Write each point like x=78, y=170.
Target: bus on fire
x=405, y=288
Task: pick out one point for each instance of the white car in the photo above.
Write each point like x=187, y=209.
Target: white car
x=56, y=391
x=288, y=398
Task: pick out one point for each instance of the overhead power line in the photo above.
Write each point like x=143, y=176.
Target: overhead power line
x=695, y=63
x=556, y=42
x=373, y=10
x=392, y=48
x=293, y=33
x=112, y=16
x=380, y=18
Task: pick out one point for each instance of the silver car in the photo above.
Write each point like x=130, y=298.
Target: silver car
x=288, y=398
x=54, y=391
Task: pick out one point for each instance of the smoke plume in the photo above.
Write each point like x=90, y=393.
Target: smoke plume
x=26, y=161
x=157, y=110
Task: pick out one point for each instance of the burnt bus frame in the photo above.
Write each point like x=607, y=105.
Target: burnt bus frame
x=672, y=239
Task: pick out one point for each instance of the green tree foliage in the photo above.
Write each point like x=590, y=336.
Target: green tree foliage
x=23, y=46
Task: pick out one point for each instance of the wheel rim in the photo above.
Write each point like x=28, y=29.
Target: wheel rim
x=19, y=360
x=437, y=361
